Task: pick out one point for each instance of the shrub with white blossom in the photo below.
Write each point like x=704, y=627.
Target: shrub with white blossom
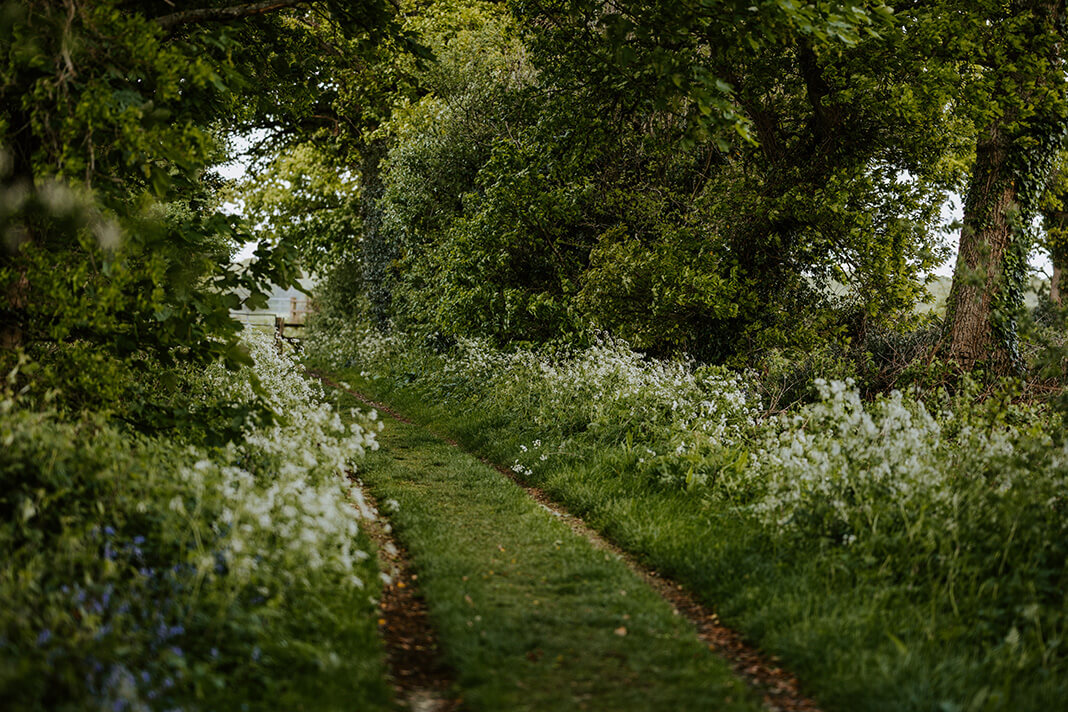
x=606, y=392
x=847, y=468
x=286, y=481
x=151, y=573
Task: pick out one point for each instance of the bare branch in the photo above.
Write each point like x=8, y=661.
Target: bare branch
x=223, y=14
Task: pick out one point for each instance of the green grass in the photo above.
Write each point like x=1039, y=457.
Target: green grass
x=939, y=289
x=860, y=636
x=528, y=613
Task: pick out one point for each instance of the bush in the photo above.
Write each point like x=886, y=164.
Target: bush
x=149, y=573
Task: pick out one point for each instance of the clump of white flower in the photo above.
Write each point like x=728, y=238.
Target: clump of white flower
x=342, y=344
x=842, y=454
x=851, y=465
x=841, y=466
x=285, y=489
x=606, y=386
x=607, y=389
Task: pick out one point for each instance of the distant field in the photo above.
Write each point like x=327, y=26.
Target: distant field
x=264, y=321
x=940, y=292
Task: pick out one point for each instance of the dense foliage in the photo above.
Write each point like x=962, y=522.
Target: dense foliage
x=549, y=179
x=160, y=573
x=717, y=182
x=674, y=247
x=177, y=528
x=112, y=114
x=750, y=199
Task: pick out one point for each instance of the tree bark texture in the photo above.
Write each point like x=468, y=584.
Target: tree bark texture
x=977, y=277
x=1055, y=284
x=223, y=14
x=1013, y=156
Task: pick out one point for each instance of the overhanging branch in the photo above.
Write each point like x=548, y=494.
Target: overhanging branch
x=223, y=14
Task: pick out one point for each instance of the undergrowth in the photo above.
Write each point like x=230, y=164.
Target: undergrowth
x=145, y=572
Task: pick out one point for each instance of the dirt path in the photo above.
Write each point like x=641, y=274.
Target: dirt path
x=420, y=680
x=778, y=688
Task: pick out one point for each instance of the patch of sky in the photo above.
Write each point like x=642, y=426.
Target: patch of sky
x=235, y=169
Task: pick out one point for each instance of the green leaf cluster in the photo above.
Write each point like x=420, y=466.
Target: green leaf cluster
x=115, y=256
x=558, y=173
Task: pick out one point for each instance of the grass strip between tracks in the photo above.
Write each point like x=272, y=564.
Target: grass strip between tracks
x=531, y=616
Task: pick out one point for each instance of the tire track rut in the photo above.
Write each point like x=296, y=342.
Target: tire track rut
x=420, y=679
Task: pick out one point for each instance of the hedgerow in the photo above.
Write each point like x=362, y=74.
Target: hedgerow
x=144, y=572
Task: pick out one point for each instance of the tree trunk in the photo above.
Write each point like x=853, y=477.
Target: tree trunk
x=378, y=250
x=223, y=14
x=978, y=277
x=1056, y=224
x=1013, y=159
x=1055, y=285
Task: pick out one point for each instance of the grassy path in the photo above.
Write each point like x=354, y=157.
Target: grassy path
x=862, y=634
x=530, y=615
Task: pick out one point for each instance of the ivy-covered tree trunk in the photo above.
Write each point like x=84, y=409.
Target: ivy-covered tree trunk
x=1055, y=284
x=1013, y=158
x=984, y=277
